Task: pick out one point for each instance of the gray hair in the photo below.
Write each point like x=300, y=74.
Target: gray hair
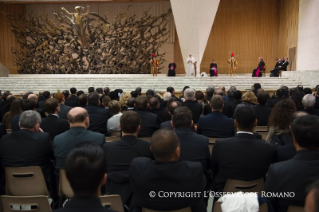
x=29, y=119
x=189, y=93
x=167, y=96
x=308, y=100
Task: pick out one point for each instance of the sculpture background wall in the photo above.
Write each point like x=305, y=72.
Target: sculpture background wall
x=121, y=46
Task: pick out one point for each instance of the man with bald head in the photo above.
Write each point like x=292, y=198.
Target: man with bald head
x=164, y=175
x=79, y=122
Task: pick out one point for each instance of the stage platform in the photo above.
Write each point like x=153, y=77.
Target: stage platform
x=18, y=83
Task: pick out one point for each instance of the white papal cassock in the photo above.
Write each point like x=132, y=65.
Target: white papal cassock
x=190, y=66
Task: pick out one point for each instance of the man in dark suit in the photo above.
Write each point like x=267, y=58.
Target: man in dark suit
x=85, y=169
x=296, y=174
x=309, y=101
x=155, y=108
x=119, y=155
x=281, y=67
x=234, y=102
x=242, y=157
x=72, y=101
x=148, y=119
x=26, y=105
x=172, y=91
x=45, y=95
x=166, y=174
x=194, y=147
x=64, y=109
x=279, y=96
x=172, y=106
x=216, y=124
x=52, y=124
x=195, y=107
x=83, y=100
x=227, y=106
x=29, y=146
x=262, y=110
x=98, y=115
x=65, y=142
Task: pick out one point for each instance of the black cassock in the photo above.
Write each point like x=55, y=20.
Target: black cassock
x=171, y=70
x=212, y=71
x=260, y=66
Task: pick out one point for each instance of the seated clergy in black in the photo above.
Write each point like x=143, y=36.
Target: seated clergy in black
x=119, y=155
x=52, y=124
x=296, y=174
x=216, y=124
x=29, y=146
x=242, y=157
x=309, y=101
x=193, y=147
x=262, y=110
x=98, y=115
x=148, y=119
x=85, y=169
x=166, y=174
x=195, y=107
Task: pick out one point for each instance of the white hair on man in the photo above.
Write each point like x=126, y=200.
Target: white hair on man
x=29, y=119
x=167, y=96
x=308, y=101
x=189, y=94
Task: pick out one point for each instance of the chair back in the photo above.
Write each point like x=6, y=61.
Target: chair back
x=188, y=209
x=261, y=129
x=245, y=186
x=262, y=208
x=64, y=185
x=146, y=139
x=116, y=133
x=9, y=131
x=113, y=202
x=295, y=209
x=25, y=181
x=38, y=203
x=112, y=138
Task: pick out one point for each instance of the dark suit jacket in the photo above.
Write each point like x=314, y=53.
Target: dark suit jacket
x=76, y=204
x=285, y=152
x=284, y=65
x=273, y=101
x=312, y=111
x=162, y=115
x=193, y=147
x=293, y=175
x=3, y=130
x=15, y=123
x=98, y=118
x=119, y=155
x=216, y=125
x=64, y=111
x=54, y=125
x=227, y=110
x=41, y=103
x=242, y=157
x=184, y=176
x=148, y=123
x=26, y=148
x=65, y=142
x=167, y=125
x=72, y=101
x=196, y=108
x=262, y=114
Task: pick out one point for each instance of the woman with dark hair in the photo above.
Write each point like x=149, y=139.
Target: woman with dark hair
x=200, y=98
x=257, y=71
x=297, y=99
x=15, y=109
x=280, y=118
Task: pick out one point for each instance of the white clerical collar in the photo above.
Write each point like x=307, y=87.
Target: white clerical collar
x=244, y=132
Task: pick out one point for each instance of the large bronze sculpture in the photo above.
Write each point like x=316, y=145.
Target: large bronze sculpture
x=87, y=43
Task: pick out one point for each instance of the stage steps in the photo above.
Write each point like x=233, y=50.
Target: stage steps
x=19, y=83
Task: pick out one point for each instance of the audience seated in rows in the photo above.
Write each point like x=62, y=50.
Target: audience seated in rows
x=114, y=121
x=166, y=173
x=309, y=101
x=98, y=115
x=278, y=97
x=45, y=95
x=248, y=100
x=172, y=106
x=242, y=157
x=166, y=97
x=196, y=108
x=26, y=105
x=85, y=169
x=262, y=110
x=216, y=124
x=226, y=108
x=64, y=109
x=79, y=123
x=296, y=174
x=119, y=155
x=155, y=108
x=72, y=101
x=83, y=100
x=280, y=117
x=53, y=124
x=149, y=122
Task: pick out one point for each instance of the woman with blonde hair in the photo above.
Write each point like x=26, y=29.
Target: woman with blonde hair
x=113, y=122
x=123, y=100
x=249, y=100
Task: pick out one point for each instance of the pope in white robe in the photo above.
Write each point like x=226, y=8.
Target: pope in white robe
x=190, y=65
